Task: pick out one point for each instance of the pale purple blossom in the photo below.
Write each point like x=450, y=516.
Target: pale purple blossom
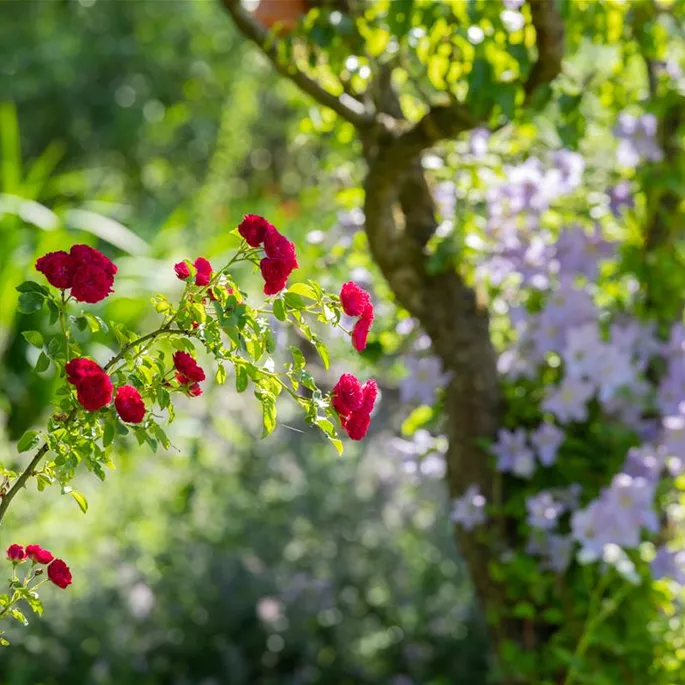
x=669, y=564
x=620, y=198
x=546, y=441
x=637, y=139
x=513, y=453
x=468, y=511
x=543, y=511
x=424, y=379
x=568, y=401
x=571, y=166
x=554, y=550
x=478, y=142
x=646, y=461
x=580, y=252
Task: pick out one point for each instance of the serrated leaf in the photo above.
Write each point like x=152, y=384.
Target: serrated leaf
x=294, y=301
x=30, y=302
x=279, y=310
x=323, y=353
x=108, y=434
x=304, y=290
x=31, y=287
x=43, y=363
x=268, y=412
x=240, y=378
x=34, y=338
x=28, y=441
x=161, y=436
x=80, y=500
x=92, y=321
x=221, y=374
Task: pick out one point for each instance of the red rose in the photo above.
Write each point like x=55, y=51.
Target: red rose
x=275, y=273
x=369, y=395
x=85, y=255
x=277, y=246
x=253, y=228
x=204, y=271
x=58, y=268
x=129, y=404
x=16, y=553
x=347, y=394
x=77, y=369
x=91, y=283
x=38, y=554
x=360, y=334
x=357, y=425
x=182, y=271
x=194, y=390
x=94, y=391
x=354, y=299
x=188, y=368
x=59, y=574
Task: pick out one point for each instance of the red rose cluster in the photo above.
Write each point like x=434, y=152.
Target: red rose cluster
x=189, y=373
x=94, y=390
x=355, y=301
x=354, y=404
x=203, y=271
x=280, y=260
x=58, y=571
x=85, y=270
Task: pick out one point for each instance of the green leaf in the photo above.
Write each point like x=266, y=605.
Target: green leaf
x=268, y=411
x=34, y=338
x=17, y=615
x=221, y=374
x=30, y=302
x=43, y=363
x=294, y=301
x=32, y=287
x=54, y=311
x=304, y=290
x=94, y=322
x=80, y=500
x=240, y=378
x=108, y=434
x=28, y=441
x=279, y=310
x=323, y=353
x=161, y=436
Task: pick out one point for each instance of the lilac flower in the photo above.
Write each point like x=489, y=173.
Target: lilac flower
x=546, y=440
x=646, y=461
x=543, y=511
x=528, y=188
x=568, y=401
x=582, y=355
x=513, y=4
x=671, y=391
x=423, y=381
x=446, y=199
x=620, y=197
x=588, y=527
x=668, y=564
x=478, y=143
x=468, y=511
x=580, y=252
x=616, y=371
x=637, y=136
x=673, y=435
x=554, y=550
x=513, y=454
x=423, y=454
x=631, y=500
x=571, y=165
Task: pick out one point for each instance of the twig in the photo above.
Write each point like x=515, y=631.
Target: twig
x=344, y=105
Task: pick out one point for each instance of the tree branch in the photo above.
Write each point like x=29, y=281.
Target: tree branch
x=549, y=30
x=344, y=105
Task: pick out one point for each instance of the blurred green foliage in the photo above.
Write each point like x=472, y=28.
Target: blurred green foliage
x=150, y=133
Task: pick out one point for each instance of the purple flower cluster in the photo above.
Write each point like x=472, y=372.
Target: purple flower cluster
x=517, y=451
x=468, y=511
x=637, y=140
